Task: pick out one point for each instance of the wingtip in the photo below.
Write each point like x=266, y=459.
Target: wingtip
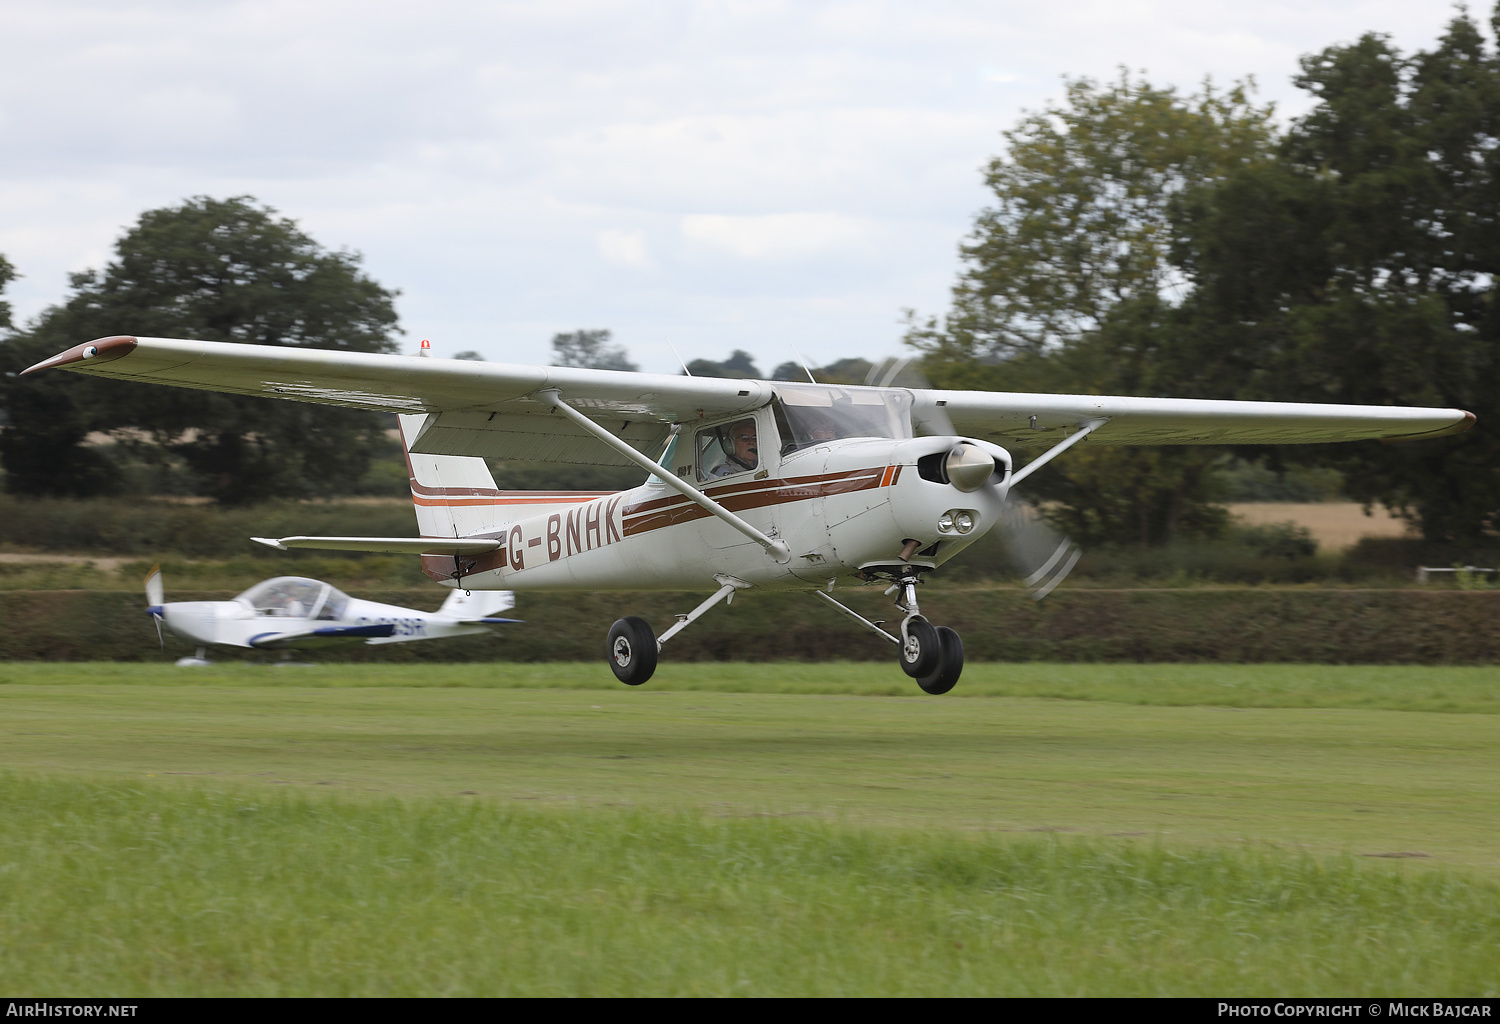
x=1457, y=427
x=101, y=350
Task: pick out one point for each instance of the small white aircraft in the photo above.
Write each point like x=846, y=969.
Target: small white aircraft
x=293, y=612
x=766, y=484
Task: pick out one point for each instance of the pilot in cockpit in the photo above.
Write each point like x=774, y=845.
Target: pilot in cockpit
x=746, y=450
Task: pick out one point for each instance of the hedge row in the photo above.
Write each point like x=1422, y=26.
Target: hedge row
x=1198, y=625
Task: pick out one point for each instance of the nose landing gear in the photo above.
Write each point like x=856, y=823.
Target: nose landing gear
x=933, y=656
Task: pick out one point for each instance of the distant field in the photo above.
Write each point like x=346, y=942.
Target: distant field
x=1335, y=525
x=765, y=829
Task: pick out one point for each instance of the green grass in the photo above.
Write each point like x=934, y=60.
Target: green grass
x=1446, y=688
x=736, y=829
x=140, y=890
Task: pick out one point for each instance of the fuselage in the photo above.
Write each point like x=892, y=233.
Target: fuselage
x=841, y=507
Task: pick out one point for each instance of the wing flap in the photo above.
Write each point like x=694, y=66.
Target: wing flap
x=533, y=437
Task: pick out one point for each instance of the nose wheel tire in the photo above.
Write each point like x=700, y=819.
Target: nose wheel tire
x=950, y=664
x=922, y=650
x=631, y=650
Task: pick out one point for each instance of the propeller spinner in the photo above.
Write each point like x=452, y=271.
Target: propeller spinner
x=1043, y=555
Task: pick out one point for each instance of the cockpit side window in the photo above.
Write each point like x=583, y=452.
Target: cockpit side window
x=295, y=597
x=727, y=449
x=334, y=605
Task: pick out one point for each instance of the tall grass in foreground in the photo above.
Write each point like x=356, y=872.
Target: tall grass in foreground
x=130, y=890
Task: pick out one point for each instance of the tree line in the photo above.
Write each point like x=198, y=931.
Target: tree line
x=1143, y=242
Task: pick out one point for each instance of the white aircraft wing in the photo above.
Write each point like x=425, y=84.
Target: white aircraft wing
x=489, y=409
x=320, y=635
x=474, y=408
x=1016, y=419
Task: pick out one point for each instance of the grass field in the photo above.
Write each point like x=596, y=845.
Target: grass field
x=734, y=829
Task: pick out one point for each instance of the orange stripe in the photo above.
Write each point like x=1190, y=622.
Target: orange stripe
x=420, y=500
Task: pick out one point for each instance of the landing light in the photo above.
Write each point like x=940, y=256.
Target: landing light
x=956, y=521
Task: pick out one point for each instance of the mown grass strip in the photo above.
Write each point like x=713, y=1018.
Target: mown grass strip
x=140, y=890
x=1448, y=689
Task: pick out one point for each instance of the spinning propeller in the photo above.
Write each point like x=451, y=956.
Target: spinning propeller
x=155, y=595
x=1040, y=553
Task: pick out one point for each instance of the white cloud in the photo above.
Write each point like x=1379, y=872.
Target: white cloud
x=625, y=249
x=778, y=236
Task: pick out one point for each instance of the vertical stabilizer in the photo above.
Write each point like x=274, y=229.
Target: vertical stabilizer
x=454, y=495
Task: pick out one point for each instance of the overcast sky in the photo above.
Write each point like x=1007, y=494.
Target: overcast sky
x=753, y=175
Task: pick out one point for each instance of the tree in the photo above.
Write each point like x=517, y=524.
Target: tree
x=591, y=350
x=1360, y=266
x=1067, y=285
x=218, y=270
x=7, y=275
x=852, y=370
x=1082, y=216
x=739, y=366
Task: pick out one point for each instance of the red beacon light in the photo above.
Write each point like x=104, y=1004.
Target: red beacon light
x=426, y=349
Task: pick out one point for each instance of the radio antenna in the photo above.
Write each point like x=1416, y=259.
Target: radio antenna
x=804, y=363
x=677, y=354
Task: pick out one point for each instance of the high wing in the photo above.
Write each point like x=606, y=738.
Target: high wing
x=491, y=409
x=1015, y=419
x=474, y=408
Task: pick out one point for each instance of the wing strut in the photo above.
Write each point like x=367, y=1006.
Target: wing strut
x=1085, y=428
x=775, y=548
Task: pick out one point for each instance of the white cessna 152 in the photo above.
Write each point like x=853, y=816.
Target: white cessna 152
x=766, y=484
x=293, y=612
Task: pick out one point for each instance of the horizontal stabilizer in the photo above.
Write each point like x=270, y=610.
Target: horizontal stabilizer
x=477, y=605
x=393, y=545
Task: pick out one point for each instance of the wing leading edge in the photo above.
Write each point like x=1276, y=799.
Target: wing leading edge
x=487, y=408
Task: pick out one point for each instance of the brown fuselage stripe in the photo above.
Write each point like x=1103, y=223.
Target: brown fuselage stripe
x=740, y=498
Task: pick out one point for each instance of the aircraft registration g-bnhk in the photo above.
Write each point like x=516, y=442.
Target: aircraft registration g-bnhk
x=767, y=484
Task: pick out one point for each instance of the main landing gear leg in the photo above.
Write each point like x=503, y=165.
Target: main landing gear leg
x=199, y=658
x=632, y=648
x=934, y=657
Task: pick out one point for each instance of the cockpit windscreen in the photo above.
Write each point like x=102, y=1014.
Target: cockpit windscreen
x=809, y=414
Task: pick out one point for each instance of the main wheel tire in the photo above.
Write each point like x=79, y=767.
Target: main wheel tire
x=950, y=666
x=631, y=650
x=922, y=650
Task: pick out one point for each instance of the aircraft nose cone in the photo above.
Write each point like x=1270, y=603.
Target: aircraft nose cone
x=968, y=467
